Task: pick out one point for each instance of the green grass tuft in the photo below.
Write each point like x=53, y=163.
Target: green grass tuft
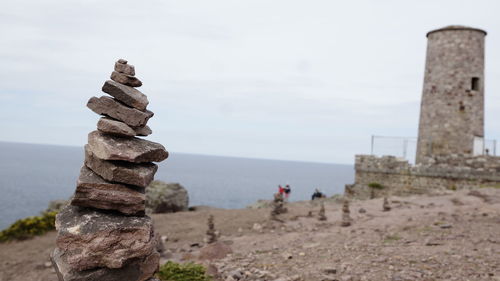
x=376, y=185
x=172, y=271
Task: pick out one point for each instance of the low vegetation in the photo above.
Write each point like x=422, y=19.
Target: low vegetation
x=29, y=227
x=375, y=185
x=172, y=271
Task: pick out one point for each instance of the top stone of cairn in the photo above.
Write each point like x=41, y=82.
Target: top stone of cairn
x=122, y=67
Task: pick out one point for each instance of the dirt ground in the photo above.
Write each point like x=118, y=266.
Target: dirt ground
x=453, y=236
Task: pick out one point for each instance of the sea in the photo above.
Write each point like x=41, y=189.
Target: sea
x=31, y=175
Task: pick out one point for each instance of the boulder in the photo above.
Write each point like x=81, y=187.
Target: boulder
x=91, y=239
x=107, y=147
x=166, y=197
x=122, y=67
x=139, y=269
x=126, y=94
x=125, y=79
x=119, y=171
x=93, y=191
x=116, y=110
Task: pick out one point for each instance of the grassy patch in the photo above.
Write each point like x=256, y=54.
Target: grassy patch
x=172, y=271
x=376, y=185
x=490, y=186
x=29, y=227
x=392, y=238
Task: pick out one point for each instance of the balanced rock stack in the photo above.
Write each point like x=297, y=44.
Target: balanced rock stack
x=104, y=233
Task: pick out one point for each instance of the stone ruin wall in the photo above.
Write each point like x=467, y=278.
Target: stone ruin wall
x=398, y=177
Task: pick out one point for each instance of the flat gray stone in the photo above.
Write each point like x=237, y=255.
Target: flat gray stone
x=125, y=79
x=119, y=171
x=136, y=150
x=143, y=131
x=126, y=94
x=91, y=239
x=116, y=110
x=139, y=269
x=122, y=67
x=114, y=127
x=93, y=191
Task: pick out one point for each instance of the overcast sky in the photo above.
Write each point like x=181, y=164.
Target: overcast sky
x=295, y=80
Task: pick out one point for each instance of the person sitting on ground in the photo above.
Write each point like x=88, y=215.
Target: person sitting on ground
x=287, y=191
x=317, y=194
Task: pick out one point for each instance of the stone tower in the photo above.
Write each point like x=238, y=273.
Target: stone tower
x=452, y=106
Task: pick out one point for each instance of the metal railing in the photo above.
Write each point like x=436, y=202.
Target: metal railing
x=406, y=147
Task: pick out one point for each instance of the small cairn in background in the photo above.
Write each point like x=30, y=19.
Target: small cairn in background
x=278, y=206
x=346, y=218
x=211, y=232
x=104, y=233
x=385, y=206
x=321, y=213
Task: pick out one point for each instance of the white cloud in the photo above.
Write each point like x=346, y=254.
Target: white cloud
x=300, y=80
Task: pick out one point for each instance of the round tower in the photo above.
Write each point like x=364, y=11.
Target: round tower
x=452, y=106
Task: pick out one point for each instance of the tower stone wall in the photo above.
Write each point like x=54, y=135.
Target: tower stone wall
x=452, y=106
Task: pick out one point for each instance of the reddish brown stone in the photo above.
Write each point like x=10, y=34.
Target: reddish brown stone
x=125, y=79
x=128, y=95
x=122, y=67
x=112, y=108
x=93, y=191
x=139, y=269
x=107, y=147
x=90, y=239
x=115, y=127
x=119, y=171
x=143, y=131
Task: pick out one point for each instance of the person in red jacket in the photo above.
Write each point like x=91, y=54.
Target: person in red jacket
x=281, y=190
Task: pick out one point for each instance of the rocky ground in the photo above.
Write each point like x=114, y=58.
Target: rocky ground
x=453, y=236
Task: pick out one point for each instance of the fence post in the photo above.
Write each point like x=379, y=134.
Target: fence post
x=371, y=152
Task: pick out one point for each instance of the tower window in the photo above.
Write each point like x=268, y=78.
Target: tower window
x=474, y=85
x=461, y=107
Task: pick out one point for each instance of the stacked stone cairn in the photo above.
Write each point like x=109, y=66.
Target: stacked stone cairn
x=211, y=232
x=321, y=213
x=346, y=217
x=104, y=234
x=385, y=206
x=278, y=206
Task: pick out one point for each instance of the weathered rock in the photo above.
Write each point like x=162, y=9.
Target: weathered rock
x=143, y=131
x=112, y=108
x=385, y=205
x=114, y=127
x=321, y=213
x=139, y=269
x=166, y=197
x=107, y=147
x=119, y=171
x=93, y=191
x=125, y=79
x=91, y=239
x=217, y=250
x=128, y=95
x=346, y=217
x=122, y=67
